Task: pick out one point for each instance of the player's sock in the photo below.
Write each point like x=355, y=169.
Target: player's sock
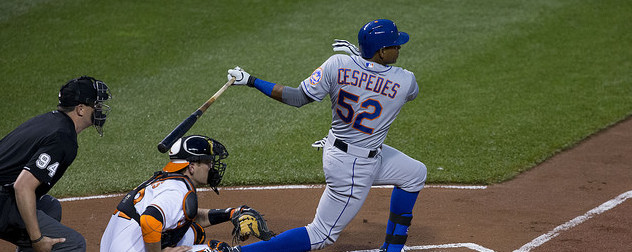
x=293, y=240
x=402, y=203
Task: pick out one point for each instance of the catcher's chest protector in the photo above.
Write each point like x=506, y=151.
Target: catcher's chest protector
x=170, y=237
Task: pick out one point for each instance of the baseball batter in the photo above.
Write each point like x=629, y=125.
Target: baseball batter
x=162, y=213
x=366, y=94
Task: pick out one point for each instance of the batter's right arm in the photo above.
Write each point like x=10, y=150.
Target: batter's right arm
x=295, y=97
x=288, y=95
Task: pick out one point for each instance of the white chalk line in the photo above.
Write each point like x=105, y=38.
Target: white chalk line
x=606, y=206
x=525, y=248
x=472, y=246
x=91, y=197
x=574, y=222
x=278, y=187
x=245, y=188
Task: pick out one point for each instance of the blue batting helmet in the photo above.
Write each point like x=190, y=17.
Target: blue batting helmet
x=378, y=34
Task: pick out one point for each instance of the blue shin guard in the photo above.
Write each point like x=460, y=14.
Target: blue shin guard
x=402, y=203
x=293, y=240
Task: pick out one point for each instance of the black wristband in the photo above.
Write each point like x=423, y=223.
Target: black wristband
x=251, y=81
x=216, y=216
x=38, y=239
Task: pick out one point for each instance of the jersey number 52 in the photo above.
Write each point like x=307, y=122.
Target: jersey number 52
x=351, y=116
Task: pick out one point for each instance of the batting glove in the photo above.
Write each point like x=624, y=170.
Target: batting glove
x=241, y=77
x=340, y=45
x=320, y=143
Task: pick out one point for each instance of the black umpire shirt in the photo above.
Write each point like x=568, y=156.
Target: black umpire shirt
x=45, y=145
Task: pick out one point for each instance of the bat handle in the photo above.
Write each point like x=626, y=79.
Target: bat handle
x=217, y=94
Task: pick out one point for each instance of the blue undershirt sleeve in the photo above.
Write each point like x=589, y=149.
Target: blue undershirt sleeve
x=264, y=86
x=290, y=96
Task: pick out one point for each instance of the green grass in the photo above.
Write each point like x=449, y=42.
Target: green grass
x=504, y=84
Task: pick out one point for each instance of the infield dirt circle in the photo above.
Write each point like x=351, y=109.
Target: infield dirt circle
x=579, y=200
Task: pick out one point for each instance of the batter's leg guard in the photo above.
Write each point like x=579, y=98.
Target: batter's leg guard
x=399, y=220
x=293, y=240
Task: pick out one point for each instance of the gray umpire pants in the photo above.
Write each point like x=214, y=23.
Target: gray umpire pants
x=13, y=229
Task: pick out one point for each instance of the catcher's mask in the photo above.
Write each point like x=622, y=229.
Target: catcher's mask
x=88, y=91
x=196, y=148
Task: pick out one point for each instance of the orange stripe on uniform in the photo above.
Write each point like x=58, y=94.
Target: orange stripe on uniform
x=151, y=227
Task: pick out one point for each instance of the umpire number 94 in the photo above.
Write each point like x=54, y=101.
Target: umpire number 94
x=42, y=162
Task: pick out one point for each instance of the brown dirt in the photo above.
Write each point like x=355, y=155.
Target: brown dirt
x=503, y=217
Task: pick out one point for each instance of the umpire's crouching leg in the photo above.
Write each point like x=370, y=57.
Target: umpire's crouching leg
x=49, y=217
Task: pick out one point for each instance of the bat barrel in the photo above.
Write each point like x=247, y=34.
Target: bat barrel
x=162, y=148
x=185, y=125
x=179, y=131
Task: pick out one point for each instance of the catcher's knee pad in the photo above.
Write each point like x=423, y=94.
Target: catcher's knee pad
x=200, y=234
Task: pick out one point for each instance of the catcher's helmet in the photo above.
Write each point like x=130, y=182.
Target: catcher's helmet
x=378, y=34
x=196, y=148
x=88, y=91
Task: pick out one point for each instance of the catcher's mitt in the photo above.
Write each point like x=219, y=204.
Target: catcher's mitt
x=247, y=222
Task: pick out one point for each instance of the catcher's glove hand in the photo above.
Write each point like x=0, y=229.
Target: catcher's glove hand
x=247, y=222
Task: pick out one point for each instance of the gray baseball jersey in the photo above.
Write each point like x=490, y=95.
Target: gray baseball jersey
x=365, y=97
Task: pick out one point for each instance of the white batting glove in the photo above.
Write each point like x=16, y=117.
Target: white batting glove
x=340, y=45
x=320, y=143
x=241, y=76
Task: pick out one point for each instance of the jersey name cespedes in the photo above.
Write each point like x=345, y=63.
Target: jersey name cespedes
x=369, y=81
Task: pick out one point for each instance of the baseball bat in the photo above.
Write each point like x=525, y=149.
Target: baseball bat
x=185, y=125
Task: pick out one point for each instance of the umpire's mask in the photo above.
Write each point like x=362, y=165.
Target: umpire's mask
x=88, y=91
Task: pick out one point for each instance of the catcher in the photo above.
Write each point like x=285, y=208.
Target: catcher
x=162, y=213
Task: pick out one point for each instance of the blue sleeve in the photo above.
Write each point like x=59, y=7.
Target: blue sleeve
x=264, y=86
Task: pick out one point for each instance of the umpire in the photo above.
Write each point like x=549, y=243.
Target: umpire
x=34, y=156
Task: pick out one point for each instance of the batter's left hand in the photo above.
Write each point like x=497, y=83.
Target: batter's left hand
x=320, y=143
x=341, y=45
